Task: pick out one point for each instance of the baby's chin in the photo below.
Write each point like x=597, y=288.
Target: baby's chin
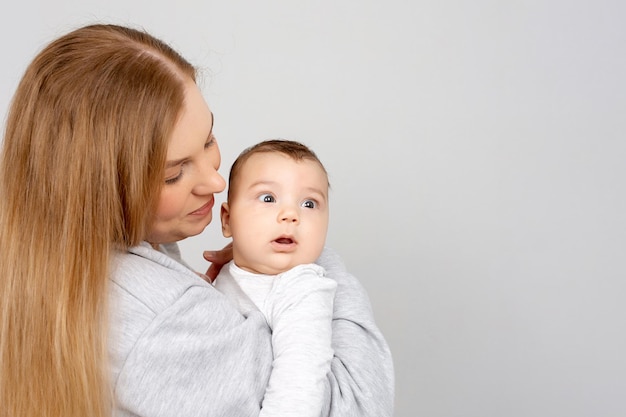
x=275, y=267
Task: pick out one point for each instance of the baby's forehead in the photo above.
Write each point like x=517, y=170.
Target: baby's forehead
x=277, y=167
x=279, y=159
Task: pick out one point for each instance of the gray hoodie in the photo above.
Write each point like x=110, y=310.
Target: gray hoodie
x=180, y=348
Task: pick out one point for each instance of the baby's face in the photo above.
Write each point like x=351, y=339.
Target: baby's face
x=277, y=214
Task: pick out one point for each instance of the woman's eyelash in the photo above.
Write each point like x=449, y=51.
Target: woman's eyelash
x=210, y=142
x=174, y=179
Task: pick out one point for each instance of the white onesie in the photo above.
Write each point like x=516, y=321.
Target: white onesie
x=298, y=306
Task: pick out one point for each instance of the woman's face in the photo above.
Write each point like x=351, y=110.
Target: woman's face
x=185, y=206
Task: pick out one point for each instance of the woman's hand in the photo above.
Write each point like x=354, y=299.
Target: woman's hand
x=218, y=259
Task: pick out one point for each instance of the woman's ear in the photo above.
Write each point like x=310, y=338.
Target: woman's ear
x=225, y=217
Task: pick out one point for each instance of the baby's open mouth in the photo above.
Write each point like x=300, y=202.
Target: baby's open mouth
x=284, y=240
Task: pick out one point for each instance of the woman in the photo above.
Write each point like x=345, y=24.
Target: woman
x=108, y=160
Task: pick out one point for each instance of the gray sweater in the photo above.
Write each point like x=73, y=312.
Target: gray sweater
x=180, y=348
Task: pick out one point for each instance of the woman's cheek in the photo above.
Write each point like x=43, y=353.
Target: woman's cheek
x=170, y=205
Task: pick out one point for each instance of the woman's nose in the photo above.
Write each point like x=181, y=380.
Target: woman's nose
x=209, y=180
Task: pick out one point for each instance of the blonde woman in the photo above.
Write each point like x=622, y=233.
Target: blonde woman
x=108, y=160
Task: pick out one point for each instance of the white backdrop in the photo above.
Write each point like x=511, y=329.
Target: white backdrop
x=476, y=153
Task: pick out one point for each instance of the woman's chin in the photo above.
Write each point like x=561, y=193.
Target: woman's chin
x=198, y=228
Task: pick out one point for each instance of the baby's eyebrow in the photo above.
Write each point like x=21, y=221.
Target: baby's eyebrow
x=261, y=182
x=314, y=190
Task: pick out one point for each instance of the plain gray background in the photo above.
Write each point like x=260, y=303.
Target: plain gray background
x=476, y=153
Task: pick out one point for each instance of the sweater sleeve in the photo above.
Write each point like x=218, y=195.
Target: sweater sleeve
x=196, y=359
x=361, y=381
x=179, y=348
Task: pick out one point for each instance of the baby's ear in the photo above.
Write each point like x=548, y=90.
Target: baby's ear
x=225, y=217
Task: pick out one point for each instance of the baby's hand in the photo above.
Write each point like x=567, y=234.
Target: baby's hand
x=218, y=259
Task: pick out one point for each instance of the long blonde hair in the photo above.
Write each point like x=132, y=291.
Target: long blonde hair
x=80, y=173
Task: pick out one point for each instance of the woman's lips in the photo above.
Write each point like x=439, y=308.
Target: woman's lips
x=204, y=210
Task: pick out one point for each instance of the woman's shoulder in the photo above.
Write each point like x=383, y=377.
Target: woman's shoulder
x=152, y=278
x=148, y=292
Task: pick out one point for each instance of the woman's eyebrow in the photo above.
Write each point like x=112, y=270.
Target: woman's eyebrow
x=171, y=164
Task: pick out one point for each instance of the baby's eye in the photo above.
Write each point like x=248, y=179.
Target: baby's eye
x=267, y=198
x=309, y=204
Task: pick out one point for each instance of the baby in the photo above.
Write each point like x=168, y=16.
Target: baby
x=277, y=215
